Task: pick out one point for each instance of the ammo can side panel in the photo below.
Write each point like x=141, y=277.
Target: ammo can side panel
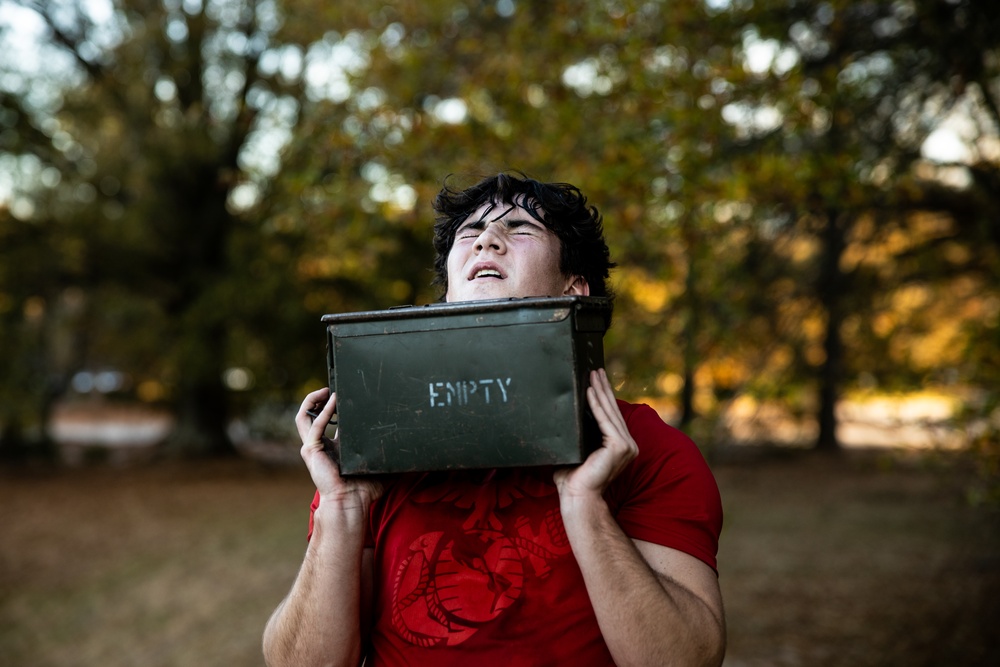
x=449, y=398
x=589, y=350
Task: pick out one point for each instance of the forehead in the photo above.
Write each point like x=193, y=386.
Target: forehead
x=501, y=210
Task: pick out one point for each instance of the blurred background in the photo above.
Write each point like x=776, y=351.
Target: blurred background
x=803, y=198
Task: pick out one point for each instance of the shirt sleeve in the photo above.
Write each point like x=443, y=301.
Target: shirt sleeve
x=667, y=495
x=314, y=505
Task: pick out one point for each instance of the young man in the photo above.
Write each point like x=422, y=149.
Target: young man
x=609, y=562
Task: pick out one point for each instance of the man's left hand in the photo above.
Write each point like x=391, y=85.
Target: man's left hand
x=617, y=450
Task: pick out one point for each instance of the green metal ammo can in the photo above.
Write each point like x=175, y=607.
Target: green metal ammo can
x=478, y=384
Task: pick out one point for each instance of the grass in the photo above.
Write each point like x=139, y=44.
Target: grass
x=170, y=566
x=825, y=562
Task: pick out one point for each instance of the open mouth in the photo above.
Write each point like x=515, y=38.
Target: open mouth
x=487, y=270
x=487, y=273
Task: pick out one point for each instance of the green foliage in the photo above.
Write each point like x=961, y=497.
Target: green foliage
x=206, y=179
x=140, y=149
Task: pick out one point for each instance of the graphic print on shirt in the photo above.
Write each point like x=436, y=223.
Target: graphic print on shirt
x=451, y=583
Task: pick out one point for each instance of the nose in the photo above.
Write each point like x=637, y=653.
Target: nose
x=491, y=237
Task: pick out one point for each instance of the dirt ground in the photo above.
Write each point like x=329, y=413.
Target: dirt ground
x=869, y=559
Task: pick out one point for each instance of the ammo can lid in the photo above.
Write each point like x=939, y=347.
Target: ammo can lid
x=589, y=305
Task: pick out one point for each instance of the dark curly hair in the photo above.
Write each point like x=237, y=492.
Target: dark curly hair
x=561, y=207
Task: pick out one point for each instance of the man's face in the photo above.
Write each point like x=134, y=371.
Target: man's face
x=503, y=253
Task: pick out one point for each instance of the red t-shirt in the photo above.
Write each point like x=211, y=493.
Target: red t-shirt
x=474, y=567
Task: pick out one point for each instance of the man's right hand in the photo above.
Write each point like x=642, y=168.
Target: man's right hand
x=319, y=460
x=326, y=616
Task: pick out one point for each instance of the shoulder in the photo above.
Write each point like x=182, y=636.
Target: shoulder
x=665, y=453
x=668, y=494
x=653, y=435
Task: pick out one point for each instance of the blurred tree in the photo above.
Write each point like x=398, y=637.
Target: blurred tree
x=836, y=123
x=620, y=98
x=25, y=368
x=152, y=127
x=213, y=175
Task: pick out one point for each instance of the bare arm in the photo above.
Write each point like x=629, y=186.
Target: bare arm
x=324, y=619
x=654, y=605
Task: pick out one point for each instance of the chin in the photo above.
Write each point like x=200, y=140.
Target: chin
x=481, y=293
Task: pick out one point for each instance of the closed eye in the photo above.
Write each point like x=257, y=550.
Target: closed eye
x=470, y=231
x=514, y=227
x=522, y=227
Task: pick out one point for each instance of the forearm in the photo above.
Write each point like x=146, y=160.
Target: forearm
x=646, y=618
x=320, y=622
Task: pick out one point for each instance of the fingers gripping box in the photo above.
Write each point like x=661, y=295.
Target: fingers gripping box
x=483, y=384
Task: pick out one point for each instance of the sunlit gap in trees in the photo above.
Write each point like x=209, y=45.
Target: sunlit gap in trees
x=958, y=138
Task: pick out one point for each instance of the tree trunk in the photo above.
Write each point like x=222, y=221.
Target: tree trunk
x=201, y=403
x=202, y=415
x=690, y=332
x=687, y=395
x=831, y=290
x=200, y=238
